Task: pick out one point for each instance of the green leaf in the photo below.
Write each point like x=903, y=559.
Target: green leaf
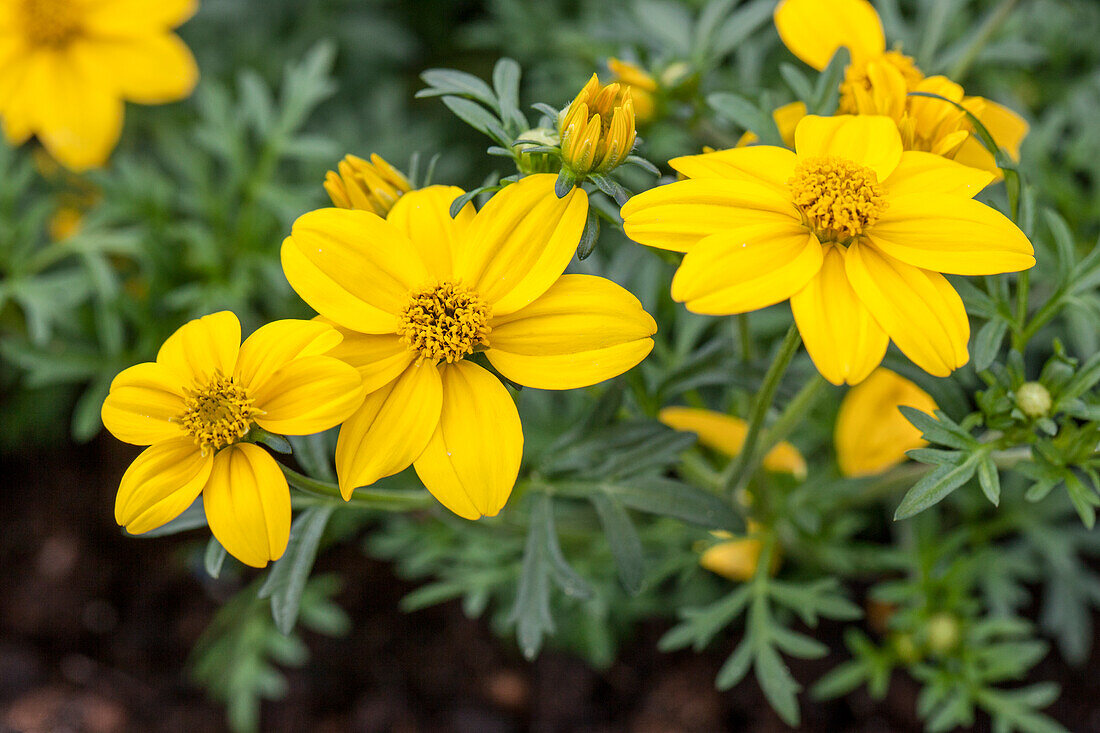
x=939, y=429
x=589, y=236
x=213, y=558
x=797, y=81
x=477, y=117
x=936, y=485
x=531, y=612
x=777, y=683
x=990, y=480
x=506, y=75
x=450, y=81
x=735, y=667
x=746, y=115
x=571, y=583
x=1064, y=244
x=287, y=578
x=611, y=187
x=1083, y=498
x=566, y=182
x=740, y=26
x=671, y=498
x=840, y=680
x=626, y=546
x=987, y=342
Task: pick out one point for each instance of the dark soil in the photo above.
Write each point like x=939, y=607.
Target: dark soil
x=95, y=630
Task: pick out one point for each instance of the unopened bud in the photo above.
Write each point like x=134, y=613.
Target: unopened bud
x=1033, y=399
x=943, y=633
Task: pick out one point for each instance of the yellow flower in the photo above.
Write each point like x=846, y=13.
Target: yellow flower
x=418, y=292
x=871, y=433
x=854, y=231
x=639, y=83
x=195, y=404
x=786, y=119
x=597, y=128
x=67, y=65
x=726, y=434
x=371, y=186
x=878, y=81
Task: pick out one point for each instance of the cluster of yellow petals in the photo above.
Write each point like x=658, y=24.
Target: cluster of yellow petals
x=641, y=85
x=597, y=128
x=194, y=407
x=880, y=82
x=67, y=66
x=372, y=185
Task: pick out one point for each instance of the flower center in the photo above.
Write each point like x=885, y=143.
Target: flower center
x=50, y=23
x=856, y=77
x=218, y=414
x=838, y=198
x=445, y=321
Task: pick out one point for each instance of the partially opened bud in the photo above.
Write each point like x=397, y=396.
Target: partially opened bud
x=639, y=83
x=597, y=128
x=371, y=186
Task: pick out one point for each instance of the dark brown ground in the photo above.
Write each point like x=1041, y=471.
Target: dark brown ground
x=95, y=629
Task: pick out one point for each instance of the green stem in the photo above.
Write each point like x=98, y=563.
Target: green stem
x=991, y=25
x=793, y=413
x=395, y=500
x=1022, y=286
x=736, y=475
x=746, y=337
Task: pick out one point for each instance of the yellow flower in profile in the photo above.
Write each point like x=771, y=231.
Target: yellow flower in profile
x=786, y=119
x=852, y=229
x=871, y=433
x=67, y=65
x=878, y=81
x=196, y=403
x=639, y=83
x=597, y=128
x=418, y=293
x=726, y=434
x=372, y=186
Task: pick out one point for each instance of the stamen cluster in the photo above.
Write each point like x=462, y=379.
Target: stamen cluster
x=838, y=198
x=218, y=413
x=446, y=321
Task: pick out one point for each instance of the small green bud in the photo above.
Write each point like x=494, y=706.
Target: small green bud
x=1033, y=399
x=906, y=648
x=943, y=633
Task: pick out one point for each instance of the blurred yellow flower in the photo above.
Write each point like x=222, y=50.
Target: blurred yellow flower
x=372, y=186
x=878, y=81
x=639, y=83
x=786, y=119
x=66, y=66
x=849, y=227
x=737, y=558
x=195, y=404
x=871, y=433
x=597, y=128
x=417, y=292
x=726, y=434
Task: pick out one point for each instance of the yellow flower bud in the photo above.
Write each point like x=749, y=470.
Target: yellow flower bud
x=726, y=434
x=597, y=128
x=871, y=433
x=1033, y=399
x=371, y=186
x=943, y=633
x=737, y=558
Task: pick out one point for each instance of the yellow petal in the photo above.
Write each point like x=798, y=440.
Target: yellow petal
x=918, y=309
x=920, y=173
x=763, y=164
x=308, y=395
x=871, y=433
x=113, y=18
x=869, y=140
x=247, y=504
x=726, y=434
x=424, y=216
x=151, y=68
x=141, y=404
x=352, y=253
x=379, y=358
x=813, y=30
x=951, y=234
x=161, y=482
x=1007, y=128
x=678, y=215
x=749, y=267
x=786, y=118
x=201, y=347
x=581, y=331
x=842, y=338
x=736, y=559
x=472, y=461
x=521, y=241
x=391, y=428
x=76, y=114
x=272, y=345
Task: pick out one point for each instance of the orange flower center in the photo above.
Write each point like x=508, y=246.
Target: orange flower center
x=49, y=23
x=218, y=413
x=445, y=321
x=838, y=199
